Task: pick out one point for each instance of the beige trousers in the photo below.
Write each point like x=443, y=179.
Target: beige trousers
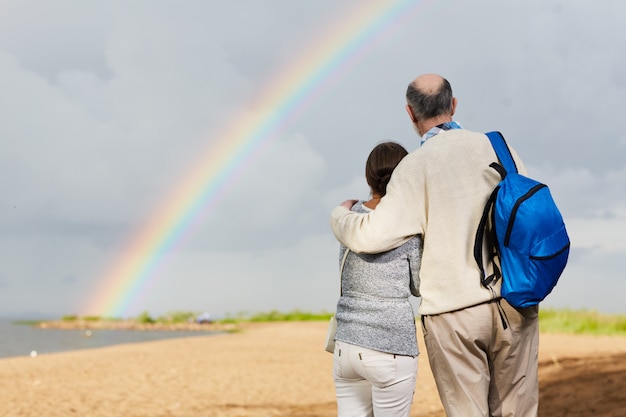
x=485, y=359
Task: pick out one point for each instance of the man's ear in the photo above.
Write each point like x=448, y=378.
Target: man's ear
x=453, y=105
x=409, y=110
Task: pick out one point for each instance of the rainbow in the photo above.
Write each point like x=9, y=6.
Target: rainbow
x=237, y=146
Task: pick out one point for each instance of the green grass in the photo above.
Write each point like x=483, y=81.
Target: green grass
x=275, y=315
x=295, y=315
x=550, y=320
x=178, y=317
x=581, y=322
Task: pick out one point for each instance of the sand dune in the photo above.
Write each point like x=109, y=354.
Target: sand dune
x=271, y=369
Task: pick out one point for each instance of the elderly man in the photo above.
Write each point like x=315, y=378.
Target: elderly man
x=483, y=352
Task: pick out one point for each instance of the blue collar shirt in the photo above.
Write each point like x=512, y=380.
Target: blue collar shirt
x=438, y=129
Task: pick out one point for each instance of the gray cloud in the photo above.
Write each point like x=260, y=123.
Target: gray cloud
x=107, y=107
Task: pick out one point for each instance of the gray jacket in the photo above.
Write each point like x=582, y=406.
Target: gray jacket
x=374, y=309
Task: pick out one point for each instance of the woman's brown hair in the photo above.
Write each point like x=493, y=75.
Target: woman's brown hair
x=380, y=164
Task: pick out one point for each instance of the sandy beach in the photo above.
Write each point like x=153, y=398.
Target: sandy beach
x=272, y=369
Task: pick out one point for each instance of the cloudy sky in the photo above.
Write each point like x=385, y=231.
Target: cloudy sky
x=105, y=107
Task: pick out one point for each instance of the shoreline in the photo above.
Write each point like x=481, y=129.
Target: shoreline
x=134, y=325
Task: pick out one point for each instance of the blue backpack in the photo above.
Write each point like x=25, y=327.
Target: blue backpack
x=526, y=234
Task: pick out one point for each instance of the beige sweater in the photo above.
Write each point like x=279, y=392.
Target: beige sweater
x=438, y=191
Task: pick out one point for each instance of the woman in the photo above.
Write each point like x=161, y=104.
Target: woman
x=375, y=357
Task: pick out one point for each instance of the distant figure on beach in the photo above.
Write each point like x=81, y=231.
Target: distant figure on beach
x=483, y=352
x=375, y=357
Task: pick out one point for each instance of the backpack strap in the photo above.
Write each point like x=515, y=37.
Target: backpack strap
x=502, y=151
x=343, y=262
x=485, y=230
x=485, y=280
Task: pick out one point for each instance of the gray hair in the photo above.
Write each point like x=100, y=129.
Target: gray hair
x=430, y=105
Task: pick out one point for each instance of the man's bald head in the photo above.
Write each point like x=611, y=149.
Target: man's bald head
x=430, y=97
x=429, y=83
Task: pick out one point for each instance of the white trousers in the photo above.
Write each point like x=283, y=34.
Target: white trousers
x=371, y=383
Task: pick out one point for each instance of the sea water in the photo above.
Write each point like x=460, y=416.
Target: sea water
x=27, y=340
